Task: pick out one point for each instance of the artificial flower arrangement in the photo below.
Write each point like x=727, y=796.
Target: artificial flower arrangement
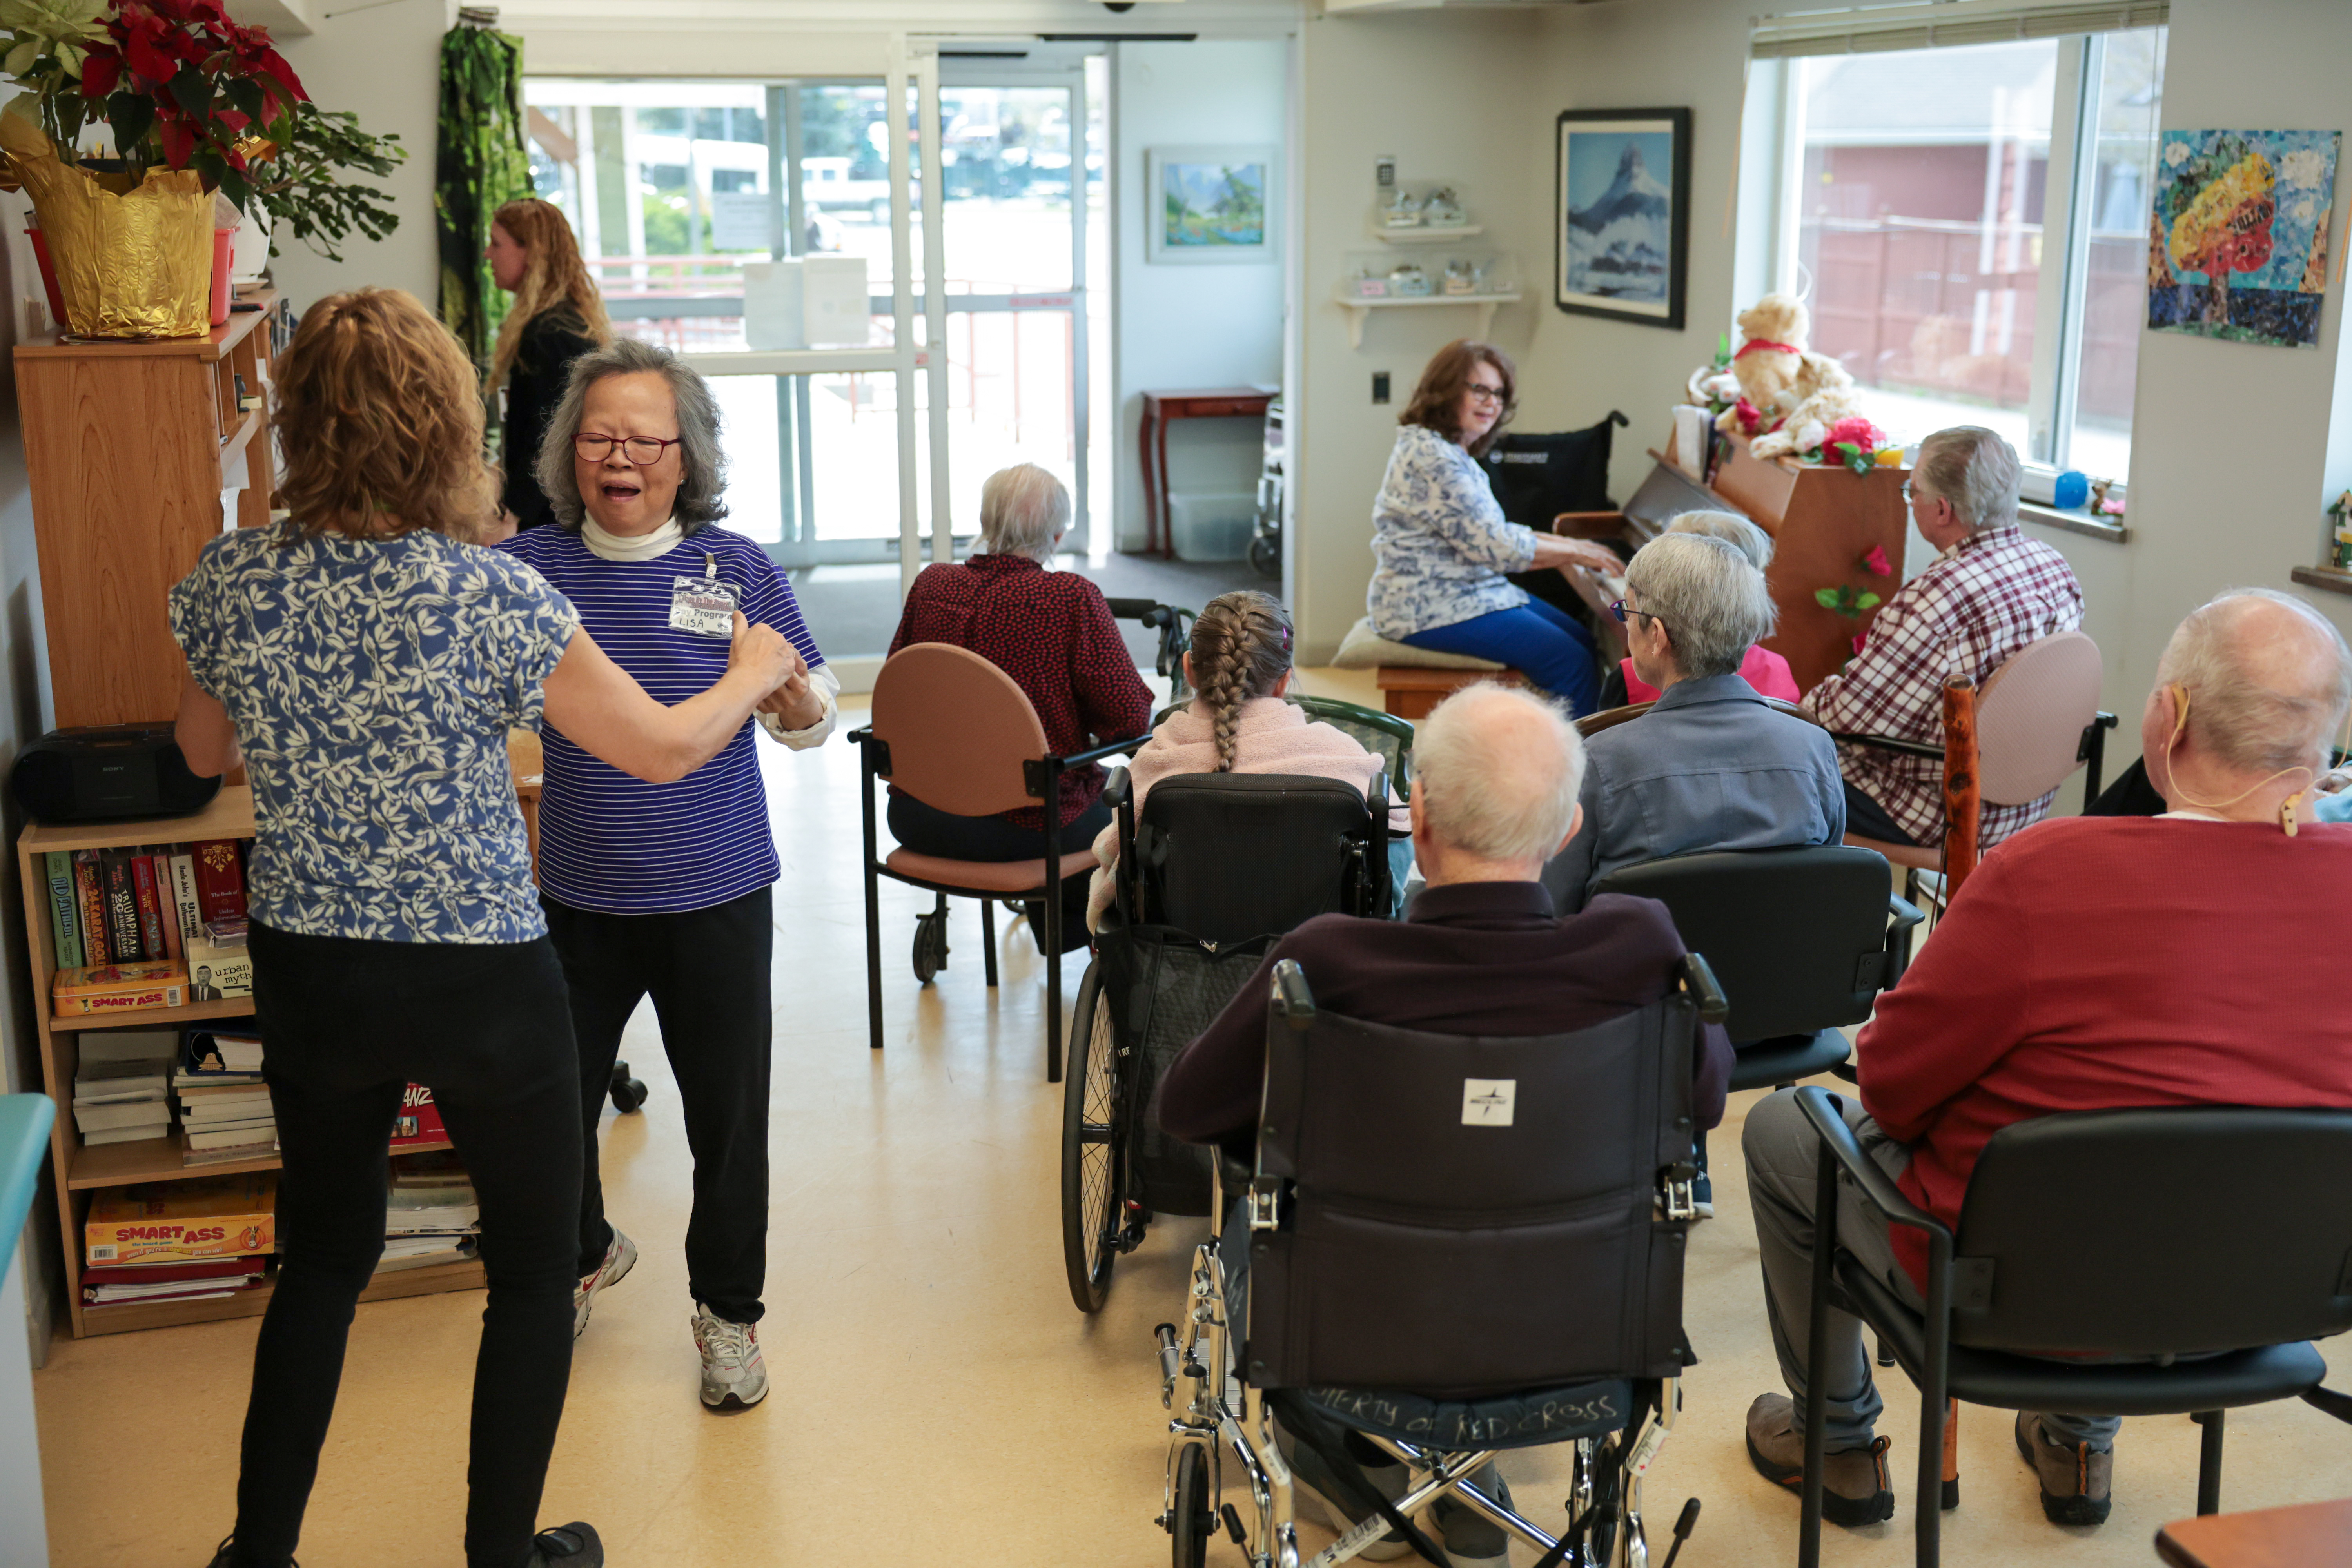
x=1856, y=444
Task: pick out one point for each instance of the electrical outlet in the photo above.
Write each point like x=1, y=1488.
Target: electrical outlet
x=1379, y=386
x=1384, y=171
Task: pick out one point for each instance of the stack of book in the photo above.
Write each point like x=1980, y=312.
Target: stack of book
x=166, y=1241
x=120, y=1085
x=113, y=906
x=431, y=1215
x=225, y=1111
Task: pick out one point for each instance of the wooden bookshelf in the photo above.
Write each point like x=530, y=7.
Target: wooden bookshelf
x=81, y=1169
x=130, y=448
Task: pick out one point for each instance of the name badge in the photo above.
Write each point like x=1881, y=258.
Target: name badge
x=704, y=606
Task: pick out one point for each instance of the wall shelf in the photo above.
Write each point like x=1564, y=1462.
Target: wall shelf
x=2334, y=579
x=1358, y=309
x=1425, y=234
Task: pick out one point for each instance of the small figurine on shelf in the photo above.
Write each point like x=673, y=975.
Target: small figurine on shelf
x=1368, y=284
x=1442, y=209
x=1408, y=281
x=2340, y=519
x=1464, y=277
x=2102, y=503
x=1402, y=211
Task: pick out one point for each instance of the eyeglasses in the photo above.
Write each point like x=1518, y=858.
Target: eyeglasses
x=1481, y=392
x=1621, y=609
x=640, y=451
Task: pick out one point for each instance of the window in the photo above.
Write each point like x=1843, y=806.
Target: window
x=1969, y=226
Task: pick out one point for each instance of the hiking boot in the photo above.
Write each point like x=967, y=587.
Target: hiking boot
x=2077, y=1481
x=1854, y=1483
x=620, y=1257
x=733, y=1371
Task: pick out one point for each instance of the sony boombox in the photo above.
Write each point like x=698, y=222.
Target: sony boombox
x=101, y=774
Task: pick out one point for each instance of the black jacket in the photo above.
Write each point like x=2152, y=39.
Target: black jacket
x=535, y=383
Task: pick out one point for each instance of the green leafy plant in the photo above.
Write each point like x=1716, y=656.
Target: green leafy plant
x=302, y=189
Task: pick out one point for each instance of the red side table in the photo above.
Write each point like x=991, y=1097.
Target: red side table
x=1160, y=410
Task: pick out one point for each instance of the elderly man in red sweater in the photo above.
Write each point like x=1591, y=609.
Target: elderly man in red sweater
x=2079, y=970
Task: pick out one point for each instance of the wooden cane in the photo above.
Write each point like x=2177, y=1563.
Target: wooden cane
x=1962, y=806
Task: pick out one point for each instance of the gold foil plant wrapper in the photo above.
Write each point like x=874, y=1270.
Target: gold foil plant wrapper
x=132, y=260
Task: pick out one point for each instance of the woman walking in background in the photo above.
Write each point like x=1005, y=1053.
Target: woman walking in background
x=367, y=662
x=557, y=316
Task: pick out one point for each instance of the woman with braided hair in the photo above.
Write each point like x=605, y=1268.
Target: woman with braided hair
x=1238, y=723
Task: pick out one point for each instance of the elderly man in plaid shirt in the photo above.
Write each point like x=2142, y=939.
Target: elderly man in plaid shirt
x=1990, y=592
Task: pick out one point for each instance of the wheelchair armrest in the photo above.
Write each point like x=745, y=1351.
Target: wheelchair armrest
x=1713, y=1007
x=1135, y=610
x=1890, y=743
x=1115, y=793
x=1878, y=1189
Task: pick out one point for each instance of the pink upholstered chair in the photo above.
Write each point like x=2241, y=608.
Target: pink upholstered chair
x=959, y=735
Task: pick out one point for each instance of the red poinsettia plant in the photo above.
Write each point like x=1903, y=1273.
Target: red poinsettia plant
x=176, y=81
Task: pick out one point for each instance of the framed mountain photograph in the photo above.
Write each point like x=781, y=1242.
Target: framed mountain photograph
x=1624, y=232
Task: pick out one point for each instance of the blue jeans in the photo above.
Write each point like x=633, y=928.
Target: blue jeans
x=1543, y=640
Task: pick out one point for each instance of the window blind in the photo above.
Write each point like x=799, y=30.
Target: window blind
x=1886, y=29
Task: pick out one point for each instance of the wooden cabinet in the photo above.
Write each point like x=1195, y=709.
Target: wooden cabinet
x=130, y=446
x=81, y=1169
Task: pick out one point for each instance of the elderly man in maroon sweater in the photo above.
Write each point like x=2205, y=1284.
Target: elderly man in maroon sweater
x=1480, y=951
x=2090, y=964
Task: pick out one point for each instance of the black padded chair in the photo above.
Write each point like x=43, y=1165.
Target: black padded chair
x=1799, y=939
x=1516, y=1283
x=2220, y=1243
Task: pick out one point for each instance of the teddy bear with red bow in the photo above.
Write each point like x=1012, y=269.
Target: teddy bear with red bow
x=1788, y=395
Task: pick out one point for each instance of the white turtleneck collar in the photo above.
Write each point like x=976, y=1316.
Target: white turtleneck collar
x=607, y=546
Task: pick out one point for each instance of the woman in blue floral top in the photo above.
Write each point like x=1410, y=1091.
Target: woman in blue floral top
x=365, y=662
x=1441, y=545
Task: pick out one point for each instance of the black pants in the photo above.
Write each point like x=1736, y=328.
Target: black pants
x=929, y=831
x=348, y=1024
x=707, y=971
x=1867, y=818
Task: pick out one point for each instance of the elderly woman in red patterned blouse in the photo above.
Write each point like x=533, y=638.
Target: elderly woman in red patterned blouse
x=1053, y=633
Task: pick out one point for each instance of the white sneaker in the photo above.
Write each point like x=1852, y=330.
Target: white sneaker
x=733, y=1371
x=619, y=1258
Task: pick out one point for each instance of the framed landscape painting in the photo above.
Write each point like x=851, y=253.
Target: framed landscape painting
x=1623, y=215
x=1209, y=204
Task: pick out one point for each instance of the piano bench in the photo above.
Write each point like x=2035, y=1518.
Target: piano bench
x=1410, y=690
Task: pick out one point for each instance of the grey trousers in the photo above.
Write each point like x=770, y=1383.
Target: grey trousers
x=1783, y=1153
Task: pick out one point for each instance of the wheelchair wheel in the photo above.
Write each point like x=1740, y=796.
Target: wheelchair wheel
x=628, y=1093
x=1092, y=1203
x=931, y=945
x=1191, y=1519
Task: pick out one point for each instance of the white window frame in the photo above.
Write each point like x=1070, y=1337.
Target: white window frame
x=1766, y=258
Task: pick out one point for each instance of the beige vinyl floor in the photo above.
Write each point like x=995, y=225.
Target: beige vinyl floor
x=937, y=1399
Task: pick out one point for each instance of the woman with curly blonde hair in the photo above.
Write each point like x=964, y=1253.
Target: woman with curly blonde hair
x=556, y=317
x=365, y=661
x=1238, y=721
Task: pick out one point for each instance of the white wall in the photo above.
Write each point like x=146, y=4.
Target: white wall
x=1450, y=94
x=385, y=66
x=1178, y=326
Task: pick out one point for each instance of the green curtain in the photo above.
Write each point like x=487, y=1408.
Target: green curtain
x=481, y=163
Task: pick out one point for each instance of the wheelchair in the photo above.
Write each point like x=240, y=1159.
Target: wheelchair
x=1469, y=1372
x=1211, y=872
